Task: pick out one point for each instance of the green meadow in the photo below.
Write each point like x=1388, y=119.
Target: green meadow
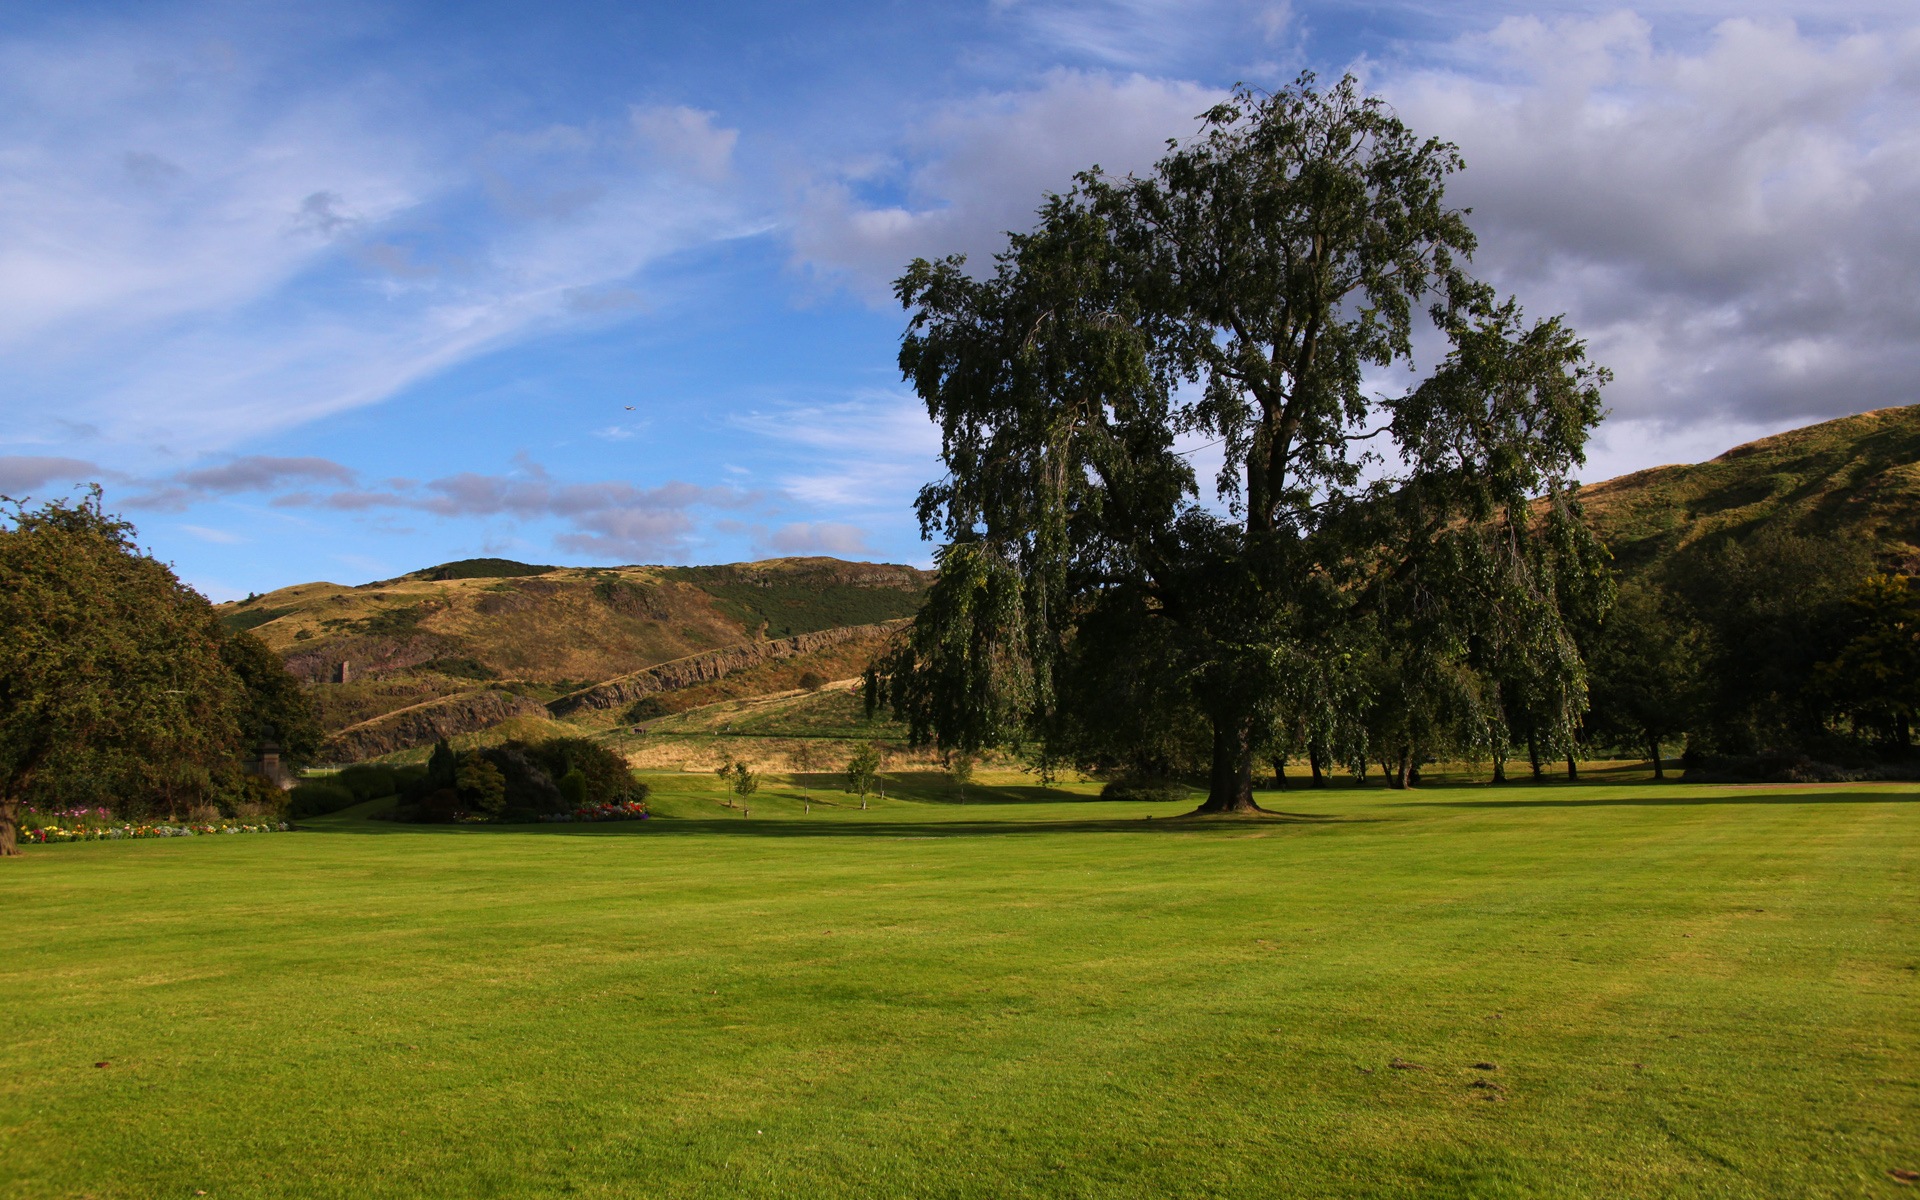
x=1670, y=991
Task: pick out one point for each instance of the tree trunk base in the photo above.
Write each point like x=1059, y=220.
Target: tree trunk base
x=1237, y=808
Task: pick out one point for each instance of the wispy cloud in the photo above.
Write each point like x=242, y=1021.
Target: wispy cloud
x=603, y=519
x=20, y=474
x=198, y=252
x=872, y=453
x=251, y=473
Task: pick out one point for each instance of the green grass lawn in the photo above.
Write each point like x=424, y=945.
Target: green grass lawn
x=1685, y=992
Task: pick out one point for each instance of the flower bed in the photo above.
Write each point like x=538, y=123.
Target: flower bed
x=627, y=810
x=54, y=835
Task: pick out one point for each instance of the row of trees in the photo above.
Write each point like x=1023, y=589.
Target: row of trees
x=1778, y=642
x=1369, y=570
x=118, y=683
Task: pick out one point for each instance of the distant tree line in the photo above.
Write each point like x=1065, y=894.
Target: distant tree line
x=119, y=685
x=1776, y=647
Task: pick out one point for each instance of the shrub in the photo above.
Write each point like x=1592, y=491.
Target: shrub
x=256, y=794
x=483, y=786
x=1138, y=787
x=608, y=781
x=204, y=814
x=646, y=708
x=573, y=789
x=813, y=681
x=318, y=798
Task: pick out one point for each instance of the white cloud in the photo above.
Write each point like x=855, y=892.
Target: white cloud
x=1735, y=226
x=814, y=537
x=981, y=167
x=689, y=138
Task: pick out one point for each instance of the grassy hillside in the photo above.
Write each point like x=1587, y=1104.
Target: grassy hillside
x=1857, y=476
x=1589, y=991
x=549, y=630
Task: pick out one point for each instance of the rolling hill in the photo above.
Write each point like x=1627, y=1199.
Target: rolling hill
x=1857, y=476
x=460, y=646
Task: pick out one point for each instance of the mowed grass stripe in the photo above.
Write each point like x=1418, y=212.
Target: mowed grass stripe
x=1698, y=992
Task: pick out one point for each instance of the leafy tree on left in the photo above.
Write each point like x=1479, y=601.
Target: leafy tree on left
x=115, y=677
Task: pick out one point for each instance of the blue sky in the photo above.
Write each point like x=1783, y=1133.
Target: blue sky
x=340, y=290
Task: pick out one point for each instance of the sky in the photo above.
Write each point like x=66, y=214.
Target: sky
x=337, y=291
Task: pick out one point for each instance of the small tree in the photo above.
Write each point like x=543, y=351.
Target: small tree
x=960, y=770
x=862, y=770
x=482, y=786
x=1644, y=660
x=738, y=776
x=1875, y=678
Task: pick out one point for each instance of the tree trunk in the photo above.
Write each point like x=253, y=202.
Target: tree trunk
x=1659, y=768
x=1280, y=773
x=1413, y=771
x=1573, y=770
x=1500, y=769
x=1230, y=782
x=1533, y=756
x=1313, y=763
x=9, y=829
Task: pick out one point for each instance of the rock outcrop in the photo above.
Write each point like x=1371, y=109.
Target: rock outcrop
x=422, y=724
x=714, y=664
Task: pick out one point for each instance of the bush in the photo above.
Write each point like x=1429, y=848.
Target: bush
x=813, y=681
x=1136, y=787
x=646, y=708
x=256, y=796
x=318, y=798
x=607, y=779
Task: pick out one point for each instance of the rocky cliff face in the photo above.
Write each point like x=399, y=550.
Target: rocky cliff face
x=425, y=723
x=701, y=668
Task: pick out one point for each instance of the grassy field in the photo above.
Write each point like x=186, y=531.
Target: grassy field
x=1679, y=991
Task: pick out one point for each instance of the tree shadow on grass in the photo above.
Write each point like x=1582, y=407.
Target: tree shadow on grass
x=1768, y=796
x=873, y=830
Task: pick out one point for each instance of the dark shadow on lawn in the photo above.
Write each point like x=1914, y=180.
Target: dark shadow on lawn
x=782, y=827
x=1768, y=797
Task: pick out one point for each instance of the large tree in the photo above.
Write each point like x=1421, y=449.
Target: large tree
x=1091, y=598
x=1645, y=666
x=111, y=675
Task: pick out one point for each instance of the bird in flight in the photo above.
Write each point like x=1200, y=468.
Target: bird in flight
x=629, y=408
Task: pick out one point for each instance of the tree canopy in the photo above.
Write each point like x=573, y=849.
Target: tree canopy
x=1243, y=298
x=117, y=681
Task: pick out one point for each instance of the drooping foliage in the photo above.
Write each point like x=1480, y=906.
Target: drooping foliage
x=1354, y=555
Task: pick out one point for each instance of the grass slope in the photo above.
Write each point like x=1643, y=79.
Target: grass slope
x=1687, y=992
x=439, y=631
x=1857, y=476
